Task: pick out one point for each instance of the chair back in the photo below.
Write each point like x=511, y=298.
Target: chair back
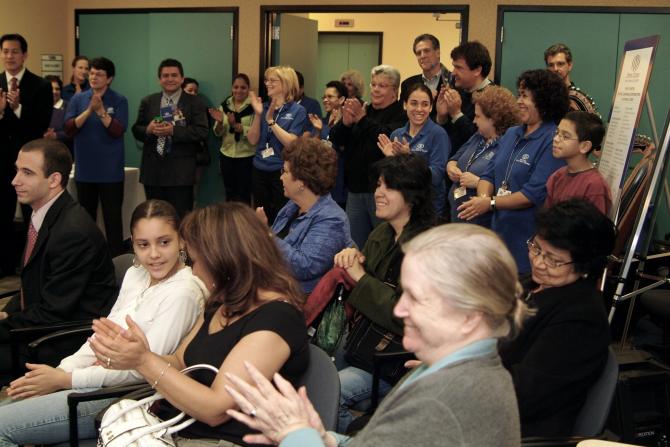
x=121, y=264
x=593, y=415
x=323, y=386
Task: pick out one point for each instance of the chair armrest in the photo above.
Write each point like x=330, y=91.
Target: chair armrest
x=32, y=332
x=73, y=400
x=60, y=334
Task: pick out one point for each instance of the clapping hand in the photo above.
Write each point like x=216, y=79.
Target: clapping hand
x=116, y=347
x=273, y=412
x=216, y=114
x=256, y=102
x=391, y=148
x=316, y=122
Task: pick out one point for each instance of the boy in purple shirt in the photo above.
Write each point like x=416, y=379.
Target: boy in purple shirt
x=576, y=136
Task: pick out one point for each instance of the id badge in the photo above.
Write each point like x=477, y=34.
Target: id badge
x=267, y=152
x=459, y=192
x=503, y=192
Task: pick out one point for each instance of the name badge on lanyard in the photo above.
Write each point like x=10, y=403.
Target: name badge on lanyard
x=268, y=151
x=459, y=192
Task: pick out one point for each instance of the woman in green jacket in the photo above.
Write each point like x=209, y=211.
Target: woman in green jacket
x=403, y=202
x=232, y=122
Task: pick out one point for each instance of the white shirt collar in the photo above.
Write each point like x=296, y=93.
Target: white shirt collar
x=18, y=76
x=59, y=104
x=38, y=215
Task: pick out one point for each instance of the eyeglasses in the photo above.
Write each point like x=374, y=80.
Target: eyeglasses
x=550, y=262
x=563, y=136
x=271, y=81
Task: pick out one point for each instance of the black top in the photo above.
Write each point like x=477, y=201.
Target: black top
x=558, y=355
x=360, y=143
x=279, y=317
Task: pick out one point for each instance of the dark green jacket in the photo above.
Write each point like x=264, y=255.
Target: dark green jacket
x=371, y=296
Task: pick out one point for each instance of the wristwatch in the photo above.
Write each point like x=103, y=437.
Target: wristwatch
x=272, y=123
x=493, y=203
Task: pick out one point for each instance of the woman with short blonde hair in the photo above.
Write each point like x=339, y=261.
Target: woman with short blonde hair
x=353, y=81
x=277, y=123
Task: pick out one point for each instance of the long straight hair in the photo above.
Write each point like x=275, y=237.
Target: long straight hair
x=239, y=253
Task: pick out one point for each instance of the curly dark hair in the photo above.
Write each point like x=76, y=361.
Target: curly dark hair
x=409, y=174
x=313, y=162
x=577, y=226
x=498, y=104
x=550, y=93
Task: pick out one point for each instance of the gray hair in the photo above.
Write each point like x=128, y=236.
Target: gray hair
x=471, y=267
x=389, y=71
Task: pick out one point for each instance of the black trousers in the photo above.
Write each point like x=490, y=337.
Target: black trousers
x=268, y=192
x=181, y=197
x=236, y=174
x=11, y=241
x=111, y=199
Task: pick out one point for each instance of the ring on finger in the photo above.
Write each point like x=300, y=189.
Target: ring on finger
x=252, y=413
x=109, y=362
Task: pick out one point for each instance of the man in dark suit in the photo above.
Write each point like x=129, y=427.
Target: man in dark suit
x=67, y=273
x=25, y=112
x=171, y=124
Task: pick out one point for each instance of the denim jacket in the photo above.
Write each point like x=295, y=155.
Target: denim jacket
x=313, y=239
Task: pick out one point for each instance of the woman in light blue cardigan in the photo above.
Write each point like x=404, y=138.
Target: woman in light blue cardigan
x=311, y=228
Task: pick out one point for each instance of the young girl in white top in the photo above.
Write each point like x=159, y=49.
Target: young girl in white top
x=162, y=296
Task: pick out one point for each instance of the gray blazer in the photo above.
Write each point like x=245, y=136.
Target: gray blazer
x=177, y=166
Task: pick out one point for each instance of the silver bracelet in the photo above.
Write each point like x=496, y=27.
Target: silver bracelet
x=160, y=376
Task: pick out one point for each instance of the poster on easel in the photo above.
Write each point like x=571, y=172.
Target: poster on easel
x=629, y=95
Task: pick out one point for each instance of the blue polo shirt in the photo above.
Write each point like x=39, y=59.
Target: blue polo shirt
x=432, y=143
x=312, y=106
x=99, y=157
x=525, y=163
x=291, y=117
x=475, y=157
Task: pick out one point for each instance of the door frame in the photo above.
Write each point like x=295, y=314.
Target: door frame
x=234, y=10
x=268, y=12
x=502, y=9
x=378, y=34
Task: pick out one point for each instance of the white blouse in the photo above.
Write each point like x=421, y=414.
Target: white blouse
x=165, y=312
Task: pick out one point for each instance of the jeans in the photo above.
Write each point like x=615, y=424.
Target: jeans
x=44, y=419
x=355, y=393
x=361, y=214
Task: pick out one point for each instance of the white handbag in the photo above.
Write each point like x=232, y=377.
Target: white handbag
x=129, y=423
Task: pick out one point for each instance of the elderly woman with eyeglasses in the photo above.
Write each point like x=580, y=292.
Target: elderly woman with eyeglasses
x=562, y=350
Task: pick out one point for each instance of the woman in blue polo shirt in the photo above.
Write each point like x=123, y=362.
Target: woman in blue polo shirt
x=515, y=184
x=423, y=137
x=277, y=123
x=495, y=112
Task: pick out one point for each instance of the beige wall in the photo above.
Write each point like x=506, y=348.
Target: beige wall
x=401, y=29
x=49, y=24
x=41, y=22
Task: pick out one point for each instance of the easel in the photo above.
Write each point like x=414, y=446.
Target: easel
x=646, y=218
x=615, y=169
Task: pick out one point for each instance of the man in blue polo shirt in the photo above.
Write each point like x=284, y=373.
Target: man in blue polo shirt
x=97, y=119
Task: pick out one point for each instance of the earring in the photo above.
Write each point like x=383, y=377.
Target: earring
x=183, y=257
x=136, y=263
x=585, y=275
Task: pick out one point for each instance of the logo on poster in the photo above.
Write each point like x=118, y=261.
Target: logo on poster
x=635, y=64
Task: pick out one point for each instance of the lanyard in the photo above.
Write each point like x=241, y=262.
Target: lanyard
x=510, y=161
x=475, y=155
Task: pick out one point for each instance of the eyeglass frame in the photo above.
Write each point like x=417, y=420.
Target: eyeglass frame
x=535, y=250
x=561, y=137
